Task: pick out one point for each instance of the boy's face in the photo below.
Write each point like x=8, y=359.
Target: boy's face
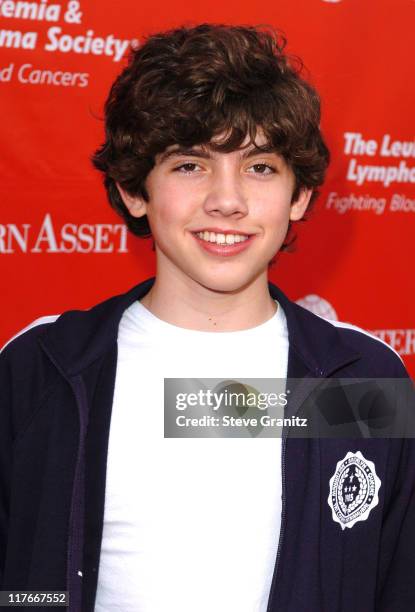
x=246, y=191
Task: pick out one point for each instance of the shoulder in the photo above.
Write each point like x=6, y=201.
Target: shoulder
x=363, y=337
x=25, y=377
x=334, y=345
x=378, y=357
x=21, y=359
x=29, y=333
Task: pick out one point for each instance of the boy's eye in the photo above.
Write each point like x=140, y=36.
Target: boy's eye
x=187, y=167
x=261, y=169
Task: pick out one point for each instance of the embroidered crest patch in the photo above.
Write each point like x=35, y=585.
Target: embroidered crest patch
x=353, y=490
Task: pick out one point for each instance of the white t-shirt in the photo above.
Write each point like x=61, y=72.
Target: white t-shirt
x=190, y=525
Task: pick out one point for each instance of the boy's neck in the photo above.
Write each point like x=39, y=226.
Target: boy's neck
x=192, y=306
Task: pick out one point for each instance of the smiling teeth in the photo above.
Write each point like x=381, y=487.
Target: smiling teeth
x=221, y=238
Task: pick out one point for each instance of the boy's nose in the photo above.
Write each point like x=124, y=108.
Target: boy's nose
x=226, y=196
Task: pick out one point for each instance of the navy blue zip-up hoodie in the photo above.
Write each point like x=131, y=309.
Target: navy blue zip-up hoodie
x=57, y=382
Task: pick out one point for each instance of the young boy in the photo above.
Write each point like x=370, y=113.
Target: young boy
x=213, y=148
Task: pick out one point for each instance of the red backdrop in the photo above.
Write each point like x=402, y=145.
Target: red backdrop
x=62, y=247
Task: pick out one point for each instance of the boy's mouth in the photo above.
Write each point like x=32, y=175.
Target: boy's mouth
x=221, y=238
x=223, y=244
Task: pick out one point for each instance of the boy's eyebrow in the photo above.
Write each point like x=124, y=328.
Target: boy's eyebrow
x=184, y=152
x=268, y=148
x=205, y=153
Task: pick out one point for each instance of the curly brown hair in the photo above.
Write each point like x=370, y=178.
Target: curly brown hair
x=189, y=85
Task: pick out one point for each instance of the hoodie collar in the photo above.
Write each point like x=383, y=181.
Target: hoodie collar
x=78, y=338
x=313, y=341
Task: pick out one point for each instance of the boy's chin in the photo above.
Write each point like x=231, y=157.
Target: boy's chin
x=224, y=284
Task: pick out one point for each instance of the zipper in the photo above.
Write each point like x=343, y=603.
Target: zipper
x=299, y=401
x=320, y=374
x=299, y=397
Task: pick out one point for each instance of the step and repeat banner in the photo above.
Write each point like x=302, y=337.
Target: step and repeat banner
x=62, y=247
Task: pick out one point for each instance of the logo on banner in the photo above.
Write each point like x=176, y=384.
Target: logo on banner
x=401, y=340
x=385, y=162
x=354, y=489
x=65, y=33
x=50, y=237
x=319, y=306
x=399, y=170
x=58, y=38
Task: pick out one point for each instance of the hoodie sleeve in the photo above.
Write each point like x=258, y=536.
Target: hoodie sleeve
x=6, y=445
x=396, y=569
x=20, y=383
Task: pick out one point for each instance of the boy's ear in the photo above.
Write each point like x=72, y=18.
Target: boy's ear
x=136, y=205
x=299, y=206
